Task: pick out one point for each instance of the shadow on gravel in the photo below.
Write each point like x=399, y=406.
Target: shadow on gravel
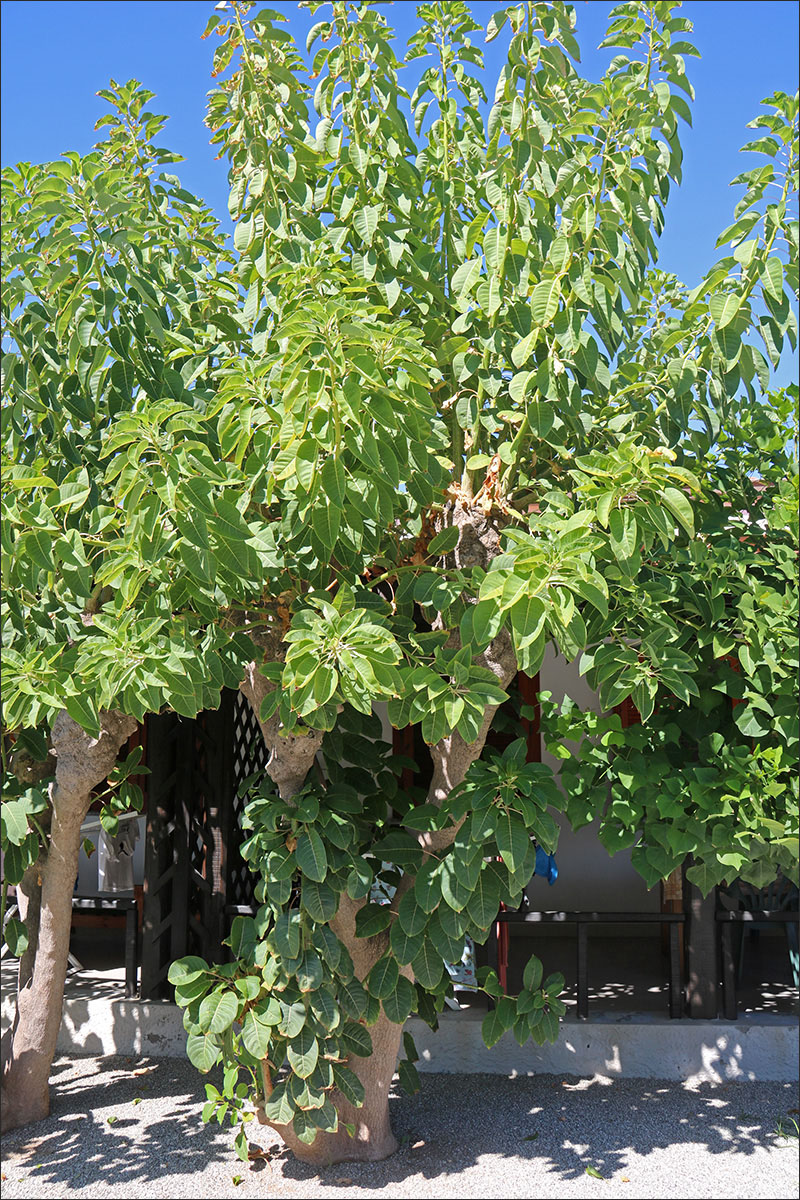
x=100, y=1131
x=561, y=1125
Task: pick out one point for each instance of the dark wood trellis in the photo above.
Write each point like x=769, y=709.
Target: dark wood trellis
x=194, y=872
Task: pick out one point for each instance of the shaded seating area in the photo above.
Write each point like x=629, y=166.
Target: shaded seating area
x=584, y=923
x=114, y=906
x=696, y=957
x=742, y=914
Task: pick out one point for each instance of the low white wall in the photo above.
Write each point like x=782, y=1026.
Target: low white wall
x=760, y=1048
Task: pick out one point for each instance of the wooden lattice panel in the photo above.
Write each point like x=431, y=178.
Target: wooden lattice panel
x=194, y=871
x=250, y=756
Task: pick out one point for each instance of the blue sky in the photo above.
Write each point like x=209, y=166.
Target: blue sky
x=56, y=55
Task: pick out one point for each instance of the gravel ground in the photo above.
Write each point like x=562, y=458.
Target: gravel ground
x=125, y=1127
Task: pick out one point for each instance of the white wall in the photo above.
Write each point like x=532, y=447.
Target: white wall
x=589, y=878
x=87, y=867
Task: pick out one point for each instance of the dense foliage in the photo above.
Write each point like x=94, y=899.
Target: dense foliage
x=433, y=411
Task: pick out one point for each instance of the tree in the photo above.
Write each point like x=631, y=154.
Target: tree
x=435, y=410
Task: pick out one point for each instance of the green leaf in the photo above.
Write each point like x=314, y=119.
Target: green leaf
x=218, y=1011
x=428, y=885
x=242, y=1148
x=524, y=348
x=333, y=481
x=465, y=276
x=485, y=900
x=359, y=880
x=305, y=463
x=372, y=919
x=408, y=1077
x=404, y=947
x=444, y=541
x=449, y=947
x=325, y=1008
x=365, y=222
x=455, y=891
x=309, y=971
x=187, y=969
x=326, y=521
x=287, y=934
x=243, y=937
x=486, y=621
x=399, y=848
x=679, y=506
x=15, y=936
x=249, y=987
x=544, y=301
x=83, y=710
x=303, y=1053
x=203, y=1050
x=723, y=308
x=349, y=1084
x=411, y=916
x=311, y=856
x=304, y=1127
x=532, y=975
x=399, y=1004
x=428, y=967
x=14, y=818
x=527, y=620
x=256, y=1034
x=17, y=859
x=492, y=1028
x=624, y=533
x=319, y=900
x=772, y=278
x=39, y=547
x=496, y=23
x=383, y=978
x=293, y=1018
x=353, y=998
x=355, y=1039
x=279, y=1107
x=512, y=840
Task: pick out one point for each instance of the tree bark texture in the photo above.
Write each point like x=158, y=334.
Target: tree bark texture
x=373, y=1138
x=82, y=762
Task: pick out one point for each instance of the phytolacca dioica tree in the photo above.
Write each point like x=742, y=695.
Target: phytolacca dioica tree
x=447, y=418
x=115, y=299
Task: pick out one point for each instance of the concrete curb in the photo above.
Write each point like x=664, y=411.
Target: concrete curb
x=761, y=1048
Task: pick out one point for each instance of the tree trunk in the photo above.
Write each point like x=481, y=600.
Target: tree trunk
x=290, y=759
x=81, y=763
x=373, y=1138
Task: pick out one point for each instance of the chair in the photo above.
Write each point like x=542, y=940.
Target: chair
x=744, y=905
x=780, y=896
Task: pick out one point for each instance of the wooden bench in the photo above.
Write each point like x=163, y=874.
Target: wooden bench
x=120, y=906
x=587, y=920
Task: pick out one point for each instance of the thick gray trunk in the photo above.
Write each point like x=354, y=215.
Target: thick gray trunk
x=290, y=759
x=373, y=1138
x=291, y=755
x=82, y=763
x=288, y=765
